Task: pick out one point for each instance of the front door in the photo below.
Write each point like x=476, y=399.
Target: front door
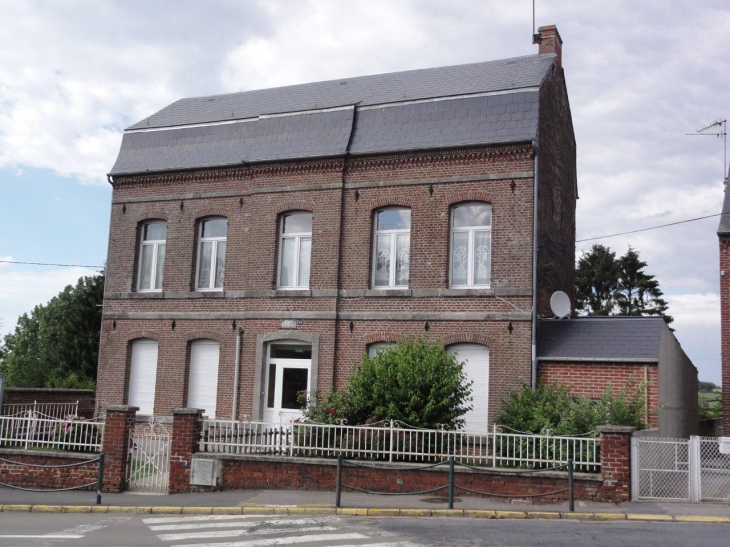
x=288, y=374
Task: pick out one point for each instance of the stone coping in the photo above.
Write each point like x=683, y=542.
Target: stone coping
x=388, y=466
x=49, y=453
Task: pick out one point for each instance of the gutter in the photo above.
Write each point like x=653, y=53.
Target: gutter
x=534, y=270
x=237, y=374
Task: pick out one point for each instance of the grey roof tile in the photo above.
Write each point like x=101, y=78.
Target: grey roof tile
x=724, y=227
x=601, y=338
x=503, y=74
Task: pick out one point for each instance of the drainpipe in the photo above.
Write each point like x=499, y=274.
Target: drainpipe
x=534, y=270
x=237, y=374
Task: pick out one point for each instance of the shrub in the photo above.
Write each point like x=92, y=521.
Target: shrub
x=552, y=408
x=416, y=382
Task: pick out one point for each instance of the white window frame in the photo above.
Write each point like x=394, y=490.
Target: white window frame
x=213, y=257
x=154, y=243
x=298, y=237
x=470, y=231
x=378, y=347
x=393, y=259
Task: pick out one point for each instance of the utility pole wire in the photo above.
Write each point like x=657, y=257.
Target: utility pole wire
x=49, y=264
x=652, y=227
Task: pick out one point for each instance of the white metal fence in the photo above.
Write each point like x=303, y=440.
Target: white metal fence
x=47, y=410
x=148, y=461
x=395, y=441
x=694, y=469
x=34, y=432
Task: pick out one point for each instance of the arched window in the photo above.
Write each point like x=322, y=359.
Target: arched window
x=391, y=248
x=211, y=254
x=471, y=245
x=379, y=347
x=295, y=250
x=152, y=255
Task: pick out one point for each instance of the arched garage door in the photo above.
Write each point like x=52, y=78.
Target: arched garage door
x=476, y=358
x=143, y=376
x=203, y=381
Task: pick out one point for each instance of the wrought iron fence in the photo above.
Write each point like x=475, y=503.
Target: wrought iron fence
x=33, y=432
x=396, y=441
x=47, y=410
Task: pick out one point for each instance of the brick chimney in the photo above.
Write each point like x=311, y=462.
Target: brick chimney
x=549, y=40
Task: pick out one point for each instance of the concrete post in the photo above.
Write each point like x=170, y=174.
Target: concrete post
x=187, y=424
x=616, y=461
x=118, y=425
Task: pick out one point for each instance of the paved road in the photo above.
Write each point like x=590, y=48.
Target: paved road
x=46, y=530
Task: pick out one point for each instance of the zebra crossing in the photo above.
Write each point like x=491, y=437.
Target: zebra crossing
x=263, y=531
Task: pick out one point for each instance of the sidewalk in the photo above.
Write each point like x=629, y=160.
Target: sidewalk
x=353, y=503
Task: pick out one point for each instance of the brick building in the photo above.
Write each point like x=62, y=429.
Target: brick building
x=591, y=354
x=723, y=233
x=261, y=242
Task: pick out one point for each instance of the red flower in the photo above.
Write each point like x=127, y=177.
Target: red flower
x=331, y=411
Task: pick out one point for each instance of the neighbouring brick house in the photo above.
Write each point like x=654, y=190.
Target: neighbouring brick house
x=592, y=353
x=723, y=233
x=261, y=242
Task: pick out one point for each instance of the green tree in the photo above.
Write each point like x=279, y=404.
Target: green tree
x=606, y=285
x=596, y=281
x=638, y=292
x=416, y=382
x=58, y=344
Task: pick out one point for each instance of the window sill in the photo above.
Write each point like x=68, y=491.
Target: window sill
x=389, y=292
x=292, y=293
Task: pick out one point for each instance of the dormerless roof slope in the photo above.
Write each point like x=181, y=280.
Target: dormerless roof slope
x=724, y=228
x=635, y=339
x=480, y=103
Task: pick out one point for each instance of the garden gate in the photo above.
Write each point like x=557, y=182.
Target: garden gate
x=694, y=469
x=148, y=461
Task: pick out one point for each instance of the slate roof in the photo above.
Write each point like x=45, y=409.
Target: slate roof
x=724, y=227
x=356, y=115
x=600, y=339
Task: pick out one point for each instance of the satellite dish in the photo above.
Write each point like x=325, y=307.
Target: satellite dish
x=560, y=304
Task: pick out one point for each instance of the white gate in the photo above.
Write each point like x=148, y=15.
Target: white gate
x=148, y=461
x=694, y=469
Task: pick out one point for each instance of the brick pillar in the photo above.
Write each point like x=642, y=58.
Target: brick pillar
x=616, y=461
x=187, y=424
x=725, y=328
x=117, y=427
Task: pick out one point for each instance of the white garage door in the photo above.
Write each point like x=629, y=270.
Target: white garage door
x=203, y=384
x=476, y=358
x=143, y=375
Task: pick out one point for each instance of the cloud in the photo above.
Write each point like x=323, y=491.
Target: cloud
x=21, y=289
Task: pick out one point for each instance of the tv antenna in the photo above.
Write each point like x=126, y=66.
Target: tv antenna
x=721, y=131
x=535, y=37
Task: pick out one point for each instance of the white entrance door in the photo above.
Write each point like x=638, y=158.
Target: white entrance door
x=476, y=358
x=203, y=380
x=286, y=380
x=143, y=376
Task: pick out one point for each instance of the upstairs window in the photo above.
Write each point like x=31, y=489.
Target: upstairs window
x=152, y=256
x=211, y=254
x=471, y=245
x=295, y=251
x=391, y=251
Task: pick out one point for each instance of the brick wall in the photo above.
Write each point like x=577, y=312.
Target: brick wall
x=47, y=477
x=22, y=395
x=591, y=379
x=725, y=329
x=250, y=472
x=186, y=429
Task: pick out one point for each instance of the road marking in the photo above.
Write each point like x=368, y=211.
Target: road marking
x=47, y=536
x=193, y=518
x=229, y=524
x=280, y=541
x=236, y=533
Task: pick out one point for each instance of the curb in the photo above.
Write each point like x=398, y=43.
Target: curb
x=363, y=512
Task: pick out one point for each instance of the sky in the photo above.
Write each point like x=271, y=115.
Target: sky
x=640, y=76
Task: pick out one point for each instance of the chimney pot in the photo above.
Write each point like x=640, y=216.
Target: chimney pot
x=550, y=41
